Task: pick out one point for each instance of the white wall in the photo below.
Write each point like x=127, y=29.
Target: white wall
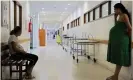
x=100, y=30
x=35, y=32
x=5, y=31
x=25, y=20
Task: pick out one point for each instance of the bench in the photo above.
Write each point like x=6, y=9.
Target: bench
x=7, y=61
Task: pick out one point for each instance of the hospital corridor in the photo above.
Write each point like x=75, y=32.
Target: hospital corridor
x=55, y=64
x=66, y=40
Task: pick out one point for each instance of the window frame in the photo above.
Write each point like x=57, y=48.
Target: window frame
x=100, y=6
x=16, y=3
x=79, y=21
x=84, y=18
x=94, y=13
x=67, y=26
x=108, y=8
x=76, y=22
x=63, y=28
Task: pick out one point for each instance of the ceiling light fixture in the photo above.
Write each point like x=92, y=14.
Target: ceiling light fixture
x=42, y=8
x=54, y=6
x=69, y=4
x=65, y=8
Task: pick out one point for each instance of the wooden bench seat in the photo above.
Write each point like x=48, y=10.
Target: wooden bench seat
x=7, y=61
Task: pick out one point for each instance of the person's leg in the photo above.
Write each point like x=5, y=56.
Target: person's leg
x=33, y=59
x=117, y=71
x=116, y=74
x=30, y=57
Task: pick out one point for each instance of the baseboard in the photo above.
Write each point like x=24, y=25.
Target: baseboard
x=105, y=66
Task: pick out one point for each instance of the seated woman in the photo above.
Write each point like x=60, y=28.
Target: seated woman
x=17, y=50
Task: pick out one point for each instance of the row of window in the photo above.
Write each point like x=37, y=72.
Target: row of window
x=74, y=23
x=102, y=10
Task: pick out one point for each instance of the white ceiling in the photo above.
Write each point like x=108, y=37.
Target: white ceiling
x=52, y=13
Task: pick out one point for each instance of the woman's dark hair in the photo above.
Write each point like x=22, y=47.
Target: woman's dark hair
x=12, y=32
x=15, y=30
x=123, y=9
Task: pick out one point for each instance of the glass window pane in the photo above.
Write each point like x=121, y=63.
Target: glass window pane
x=97, y=13
x=77, y=22
x=67, y=26
x=86, y=17
x=74, y=23
x=105, y=10
x=91, y=16
x=17, y=24
x=12, y=15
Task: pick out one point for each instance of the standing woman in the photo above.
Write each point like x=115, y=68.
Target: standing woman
x=119, y=41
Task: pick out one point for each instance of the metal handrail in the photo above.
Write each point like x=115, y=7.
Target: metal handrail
x=91, y=36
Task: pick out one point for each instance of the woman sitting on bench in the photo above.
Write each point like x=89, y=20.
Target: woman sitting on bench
x=17, y=50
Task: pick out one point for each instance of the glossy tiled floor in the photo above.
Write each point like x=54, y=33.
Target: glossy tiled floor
x=56, y=64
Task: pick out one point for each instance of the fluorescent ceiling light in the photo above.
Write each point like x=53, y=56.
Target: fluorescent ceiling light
x=54, y=6
x=65, y=8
